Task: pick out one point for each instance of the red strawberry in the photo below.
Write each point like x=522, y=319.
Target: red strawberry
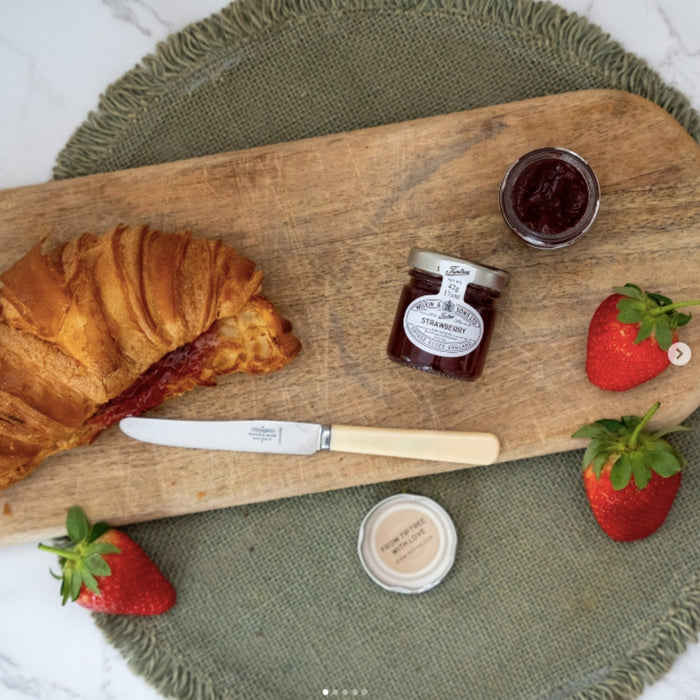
x=631, y=476
x=629, y=337
x=106, y=571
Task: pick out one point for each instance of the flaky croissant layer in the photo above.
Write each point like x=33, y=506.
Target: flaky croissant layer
x=86, y=328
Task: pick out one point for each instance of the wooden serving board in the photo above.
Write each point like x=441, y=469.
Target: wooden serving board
x=330, y=221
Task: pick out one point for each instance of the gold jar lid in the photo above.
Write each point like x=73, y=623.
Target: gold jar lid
x=432, y=262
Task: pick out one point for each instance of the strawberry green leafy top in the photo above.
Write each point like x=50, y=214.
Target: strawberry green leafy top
x=655, y=313
x=636, y=452
x=84, y=560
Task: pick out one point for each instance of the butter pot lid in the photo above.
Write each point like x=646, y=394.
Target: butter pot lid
x=407, y=543
x=484, y=275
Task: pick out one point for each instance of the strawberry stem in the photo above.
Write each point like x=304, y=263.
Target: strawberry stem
x=65, y=553
x=671, y=307
x=634, y=438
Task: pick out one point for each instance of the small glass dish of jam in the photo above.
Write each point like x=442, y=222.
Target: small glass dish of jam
x=445, y=315
x=550, y=197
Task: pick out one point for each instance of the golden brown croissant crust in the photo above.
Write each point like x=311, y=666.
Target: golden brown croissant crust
x=111, y=325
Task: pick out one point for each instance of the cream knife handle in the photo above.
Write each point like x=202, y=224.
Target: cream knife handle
x=437, y=445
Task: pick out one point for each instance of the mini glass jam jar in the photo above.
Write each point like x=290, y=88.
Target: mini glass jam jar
x=550, y=197
x=445, y=315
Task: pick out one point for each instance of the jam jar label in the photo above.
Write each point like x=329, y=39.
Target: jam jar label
x=444, y=324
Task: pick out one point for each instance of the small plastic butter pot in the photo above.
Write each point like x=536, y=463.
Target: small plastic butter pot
x=407, y=543
x=549, y=197
x=445, y=315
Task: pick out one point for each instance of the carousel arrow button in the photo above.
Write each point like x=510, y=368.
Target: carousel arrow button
x=679, y=354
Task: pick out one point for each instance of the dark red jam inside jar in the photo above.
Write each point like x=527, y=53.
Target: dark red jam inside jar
x=550, y=197
x=445, y=316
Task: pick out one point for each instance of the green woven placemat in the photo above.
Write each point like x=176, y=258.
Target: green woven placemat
x=273, y=602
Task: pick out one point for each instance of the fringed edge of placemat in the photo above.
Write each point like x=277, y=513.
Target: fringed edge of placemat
x=149, y=660
x=241, y=21
x=620, y=681
x=655, y=656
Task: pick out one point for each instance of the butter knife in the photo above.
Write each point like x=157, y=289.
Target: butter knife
x=288, y=437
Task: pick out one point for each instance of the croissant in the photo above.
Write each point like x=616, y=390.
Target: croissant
x=110, y=325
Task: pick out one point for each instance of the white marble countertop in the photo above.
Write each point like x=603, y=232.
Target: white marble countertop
x=55, y=59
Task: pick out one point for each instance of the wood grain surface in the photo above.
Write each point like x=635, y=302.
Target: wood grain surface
x=330, y=221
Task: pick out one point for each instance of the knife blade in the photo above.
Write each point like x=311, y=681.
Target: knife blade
x=288, y=437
